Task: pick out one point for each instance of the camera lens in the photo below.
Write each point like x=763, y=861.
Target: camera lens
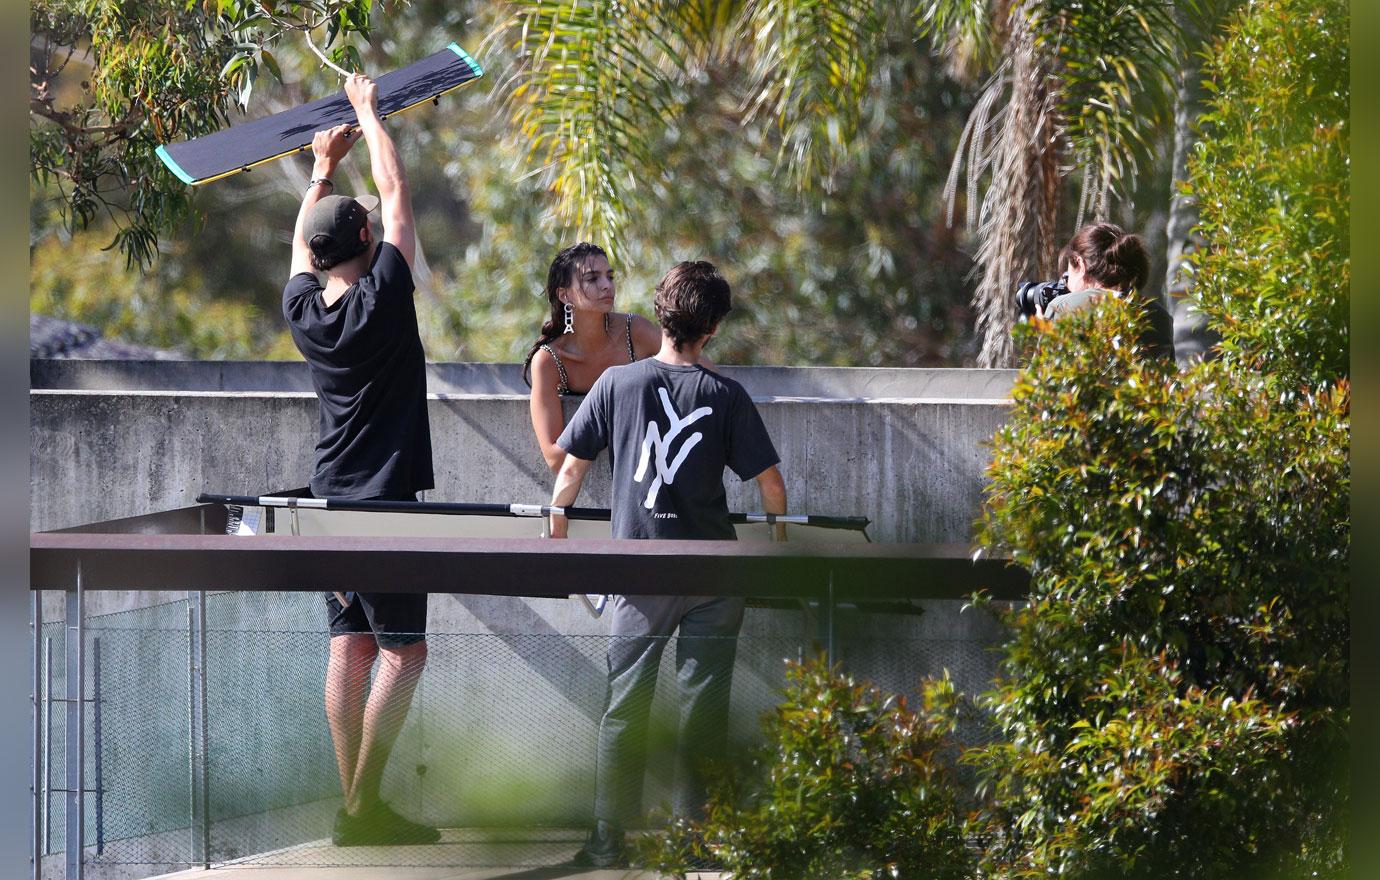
x=1027, y=297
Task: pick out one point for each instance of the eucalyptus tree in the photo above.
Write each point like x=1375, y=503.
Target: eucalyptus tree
x=110, y=80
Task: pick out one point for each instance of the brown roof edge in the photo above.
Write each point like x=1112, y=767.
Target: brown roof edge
x=515, y=567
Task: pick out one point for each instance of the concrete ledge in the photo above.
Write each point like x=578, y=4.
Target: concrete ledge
x=916, y=468
x=832, y=383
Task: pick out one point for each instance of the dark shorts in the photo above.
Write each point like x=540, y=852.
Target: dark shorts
x=395, y=620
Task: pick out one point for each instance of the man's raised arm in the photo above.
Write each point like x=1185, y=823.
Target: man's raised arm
x=387, y=167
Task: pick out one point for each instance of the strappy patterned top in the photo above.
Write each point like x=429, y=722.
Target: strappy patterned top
x=564, y=387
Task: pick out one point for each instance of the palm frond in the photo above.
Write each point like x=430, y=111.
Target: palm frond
x=707, y=28
x=812, y=63
x=1019, y=209
x=969, y=33
x=591, y=82
x=1115, y=60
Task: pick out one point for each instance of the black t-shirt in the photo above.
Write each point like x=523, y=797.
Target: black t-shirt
x=670, y=430
x=369, y=371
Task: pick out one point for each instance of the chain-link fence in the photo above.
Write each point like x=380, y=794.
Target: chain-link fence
x=498, y=749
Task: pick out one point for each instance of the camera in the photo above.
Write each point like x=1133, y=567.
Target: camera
x=1033, y=294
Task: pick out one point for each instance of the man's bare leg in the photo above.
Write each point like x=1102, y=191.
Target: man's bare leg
x=347, y=687
x=389, y=700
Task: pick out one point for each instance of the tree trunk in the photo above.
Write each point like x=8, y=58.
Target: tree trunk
x=1020, y=208
x=1193, y=339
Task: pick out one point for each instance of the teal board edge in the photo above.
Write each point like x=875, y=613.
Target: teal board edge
x=469, y=59
x=183, y=176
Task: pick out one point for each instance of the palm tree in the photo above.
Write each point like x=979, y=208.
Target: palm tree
x=595, y=77
x=1073, y=87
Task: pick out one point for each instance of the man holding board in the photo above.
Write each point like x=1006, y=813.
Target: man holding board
x=358, y=334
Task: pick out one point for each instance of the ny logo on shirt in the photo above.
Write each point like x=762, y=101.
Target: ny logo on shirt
x=661, y=443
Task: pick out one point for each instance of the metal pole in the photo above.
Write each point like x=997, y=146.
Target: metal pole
x=192, y=774
x=205, y=749
x=96, y=730
x=76, y=740
x=47, y=745
x=829, y=621
x=37, y=792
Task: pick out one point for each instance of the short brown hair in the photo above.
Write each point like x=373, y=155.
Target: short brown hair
x=690, y=301
x=330, y=260
x=1112, y=258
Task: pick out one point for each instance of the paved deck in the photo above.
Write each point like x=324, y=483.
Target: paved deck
x=462, y=854
x=260, y=872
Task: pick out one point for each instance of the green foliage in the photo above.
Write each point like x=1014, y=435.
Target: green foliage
x=867, y=275
x=113, y=79
x=1175, y=697
x=1175, y=700
x=171, y=309
x=591, y=77
x=1272, y=182
x=848, y=785
x=812, y=62
x=1115, y=62
x=597, y=83
x=969, y=31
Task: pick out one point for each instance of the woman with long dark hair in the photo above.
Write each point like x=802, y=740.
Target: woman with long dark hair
x=581, y=339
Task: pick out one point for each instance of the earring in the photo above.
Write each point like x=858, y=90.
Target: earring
x=569, y=319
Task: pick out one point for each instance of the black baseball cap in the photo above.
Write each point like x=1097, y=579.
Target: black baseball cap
x=333, y=225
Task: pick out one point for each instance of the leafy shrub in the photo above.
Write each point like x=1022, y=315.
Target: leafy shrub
x=848, y=785
x=1175, y=698
x=1272, y=179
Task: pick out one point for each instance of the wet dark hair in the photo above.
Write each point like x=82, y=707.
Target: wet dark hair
x=322, y=263
x=690, y=301
x=561, y=274
x=1111, y=257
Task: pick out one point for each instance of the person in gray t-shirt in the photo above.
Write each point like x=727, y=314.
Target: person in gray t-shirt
x=671, y=427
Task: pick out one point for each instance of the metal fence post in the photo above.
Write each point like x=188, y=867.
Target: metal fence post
x=47, y=745
x=204, y=727
x=198, y=773
x=96, y=746
x=192, y=774
x=76, y=740
x=36, y=621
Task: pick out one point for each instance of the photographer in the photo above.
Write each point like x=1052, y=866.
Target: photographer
x=1102, y=260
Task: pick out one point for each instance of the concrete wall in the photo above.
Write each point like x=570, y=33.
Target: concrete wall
x=836, y=383
x=512, y=694
x=906, y=448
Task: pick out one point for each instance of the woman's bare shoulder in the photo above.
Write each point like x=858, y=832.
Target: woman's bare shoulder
x=646, y=336
x=544, y=370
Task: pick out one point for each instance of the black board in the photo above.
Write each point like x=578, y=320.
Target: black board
x=242, y=147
